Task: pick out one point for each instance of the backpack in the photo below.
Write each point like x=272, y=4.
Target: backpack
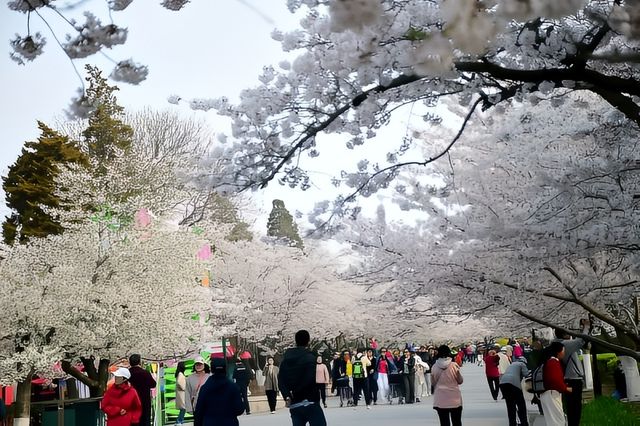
x=358, y=370
x=537, y=379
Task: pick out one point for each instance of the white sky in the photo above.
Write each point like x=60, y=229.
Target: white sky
x=209, y=49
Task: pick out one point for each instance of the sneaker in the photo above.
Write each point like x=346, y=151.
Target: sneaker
x=273, y=412
x=417, y=399
x=325, y=405
x=368, y=407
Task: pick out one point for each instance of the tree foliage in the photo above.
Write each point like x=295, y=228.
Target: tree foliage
x=30, y=185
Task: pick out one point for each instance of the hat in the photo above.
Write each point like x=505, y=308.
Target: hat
x=219, y=366
x=122, y=372
x=503, y=349
x=199, y=360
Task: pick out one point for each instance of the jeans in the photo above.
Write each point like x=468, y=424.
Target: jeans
x=373, y=387
x=514, y=399
x=450, y=416
x=311, y=414
x=272, y=398
x=181, y=414
x=494, y=383
x=573, y=402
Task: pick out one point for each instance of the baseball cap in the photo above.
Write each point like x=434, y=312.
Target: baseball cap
x=122, y=372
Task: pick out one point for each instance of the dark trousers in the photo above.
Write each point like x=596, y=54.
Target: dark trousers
x=409, y=387
x=361, y=386
x=494, y=383
x=514, y=398
x=272, y=398
x=311, y=414
x=145, y=418
x=322, y=388
x=245, y=398
x=573, y=402
x=450, y=416
x=373, y=388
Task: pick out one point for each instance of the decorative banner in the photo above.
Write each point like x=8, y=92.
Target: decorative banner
x=205, y=252
x=142, y=218
x=197, y=230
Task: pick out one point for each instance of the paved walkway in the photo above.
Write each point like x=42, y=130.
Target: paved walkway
x=479, y=409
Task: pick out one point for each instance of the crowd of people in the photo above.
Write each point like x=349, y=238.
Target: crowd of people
x=367, y=376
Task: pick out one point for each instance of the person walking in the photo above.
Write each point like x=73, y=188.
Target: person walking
x=360, y=382
x=242, y=376
x=420, y=380
x=573, y=372
x=181, y=387
x=372, y=376
x=271, y=384
x=195, y=382
x=511, y=388
x=142, y=381
x=297, y=381
x=322, y=379
x=553, y=377
x=383, y=375
x=492, y=370
x=219, y=401
x=335, y=371
x=446, y=379
x=121, y=403
x=408, y=375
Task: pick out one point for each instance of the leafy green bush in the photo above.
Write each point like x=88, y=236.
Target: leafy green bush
x=606, y=411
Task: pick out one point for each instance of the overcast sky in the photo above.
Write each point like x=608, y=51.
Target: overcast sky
x=209, y=49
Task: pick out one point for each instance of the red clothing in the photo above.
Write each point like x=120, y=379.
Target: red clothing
x=553, y=376
x=383, y=368
x=121, y=397
x=459, y=358
x=491, y=363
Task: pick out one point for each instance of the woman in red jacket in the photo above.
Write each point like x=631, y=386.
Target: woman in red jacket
x=121, y=402
x=553, y=377
x=491, y=362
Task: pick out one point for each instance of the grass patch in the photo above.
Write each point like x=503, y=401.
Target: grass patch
x=606, y=411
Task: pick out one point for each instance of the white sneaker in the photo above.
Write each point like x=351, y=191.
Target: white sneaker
x=368, y=407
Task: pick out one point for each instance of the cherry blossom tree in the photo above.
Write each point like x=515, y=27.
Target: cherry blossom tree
x=357, y=62
x=530, y=216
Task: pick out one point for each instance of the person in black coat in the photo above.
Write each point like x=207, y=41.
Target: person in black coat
x=242, y=376
x=297, y=380
x=142, y=381
x=219, y=400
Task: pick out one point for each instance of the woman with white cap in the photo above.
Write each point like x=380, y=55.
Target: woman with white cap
x=120, y=402
x=195, y=382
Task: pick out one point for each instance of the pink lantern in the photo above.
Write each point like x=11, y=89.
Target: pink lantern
x=204, y=253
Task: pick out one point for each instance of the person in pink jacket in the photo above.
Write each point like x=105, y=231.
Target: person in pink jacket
x=446, y=379
x=322, y=378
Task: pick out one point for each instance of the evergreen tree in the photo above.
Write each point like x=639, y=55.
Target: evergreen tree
x=106, y=129
x=282, y=227
x=30, y=185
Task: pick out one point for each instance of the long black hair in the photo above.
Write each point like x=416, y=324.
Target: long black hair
x=180, y=368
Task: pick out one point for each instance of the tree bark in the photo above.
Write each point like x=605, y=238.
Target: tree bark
x=96, y=380
x=22, y=409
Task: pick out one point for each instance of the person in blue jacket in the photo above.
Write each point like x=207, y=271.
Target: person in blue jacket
x=219, y=401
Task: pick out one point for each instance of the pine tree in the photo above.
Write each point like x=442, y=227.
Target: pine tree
x=106, y=129
x=282, y=226
x=30, y=185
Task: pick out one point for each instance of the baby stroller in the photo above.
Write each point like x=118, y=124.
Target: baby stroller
x=395, y=388
x=344, y=391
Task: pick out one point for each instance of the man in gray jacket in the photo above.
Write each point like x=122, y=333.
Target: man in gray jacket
x=511, y=388
x=573, y=373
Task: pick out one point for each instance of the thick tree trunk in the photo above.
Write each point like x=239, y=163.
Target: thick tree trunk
x=22, y=409
x=96, y=380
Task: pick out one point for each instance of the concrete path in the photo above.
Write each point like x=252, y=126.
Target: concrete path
x=479, y=409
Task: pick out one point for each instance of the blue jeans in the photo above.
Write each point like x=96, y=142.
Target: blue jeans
x=180, y=418
x=311, y=414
